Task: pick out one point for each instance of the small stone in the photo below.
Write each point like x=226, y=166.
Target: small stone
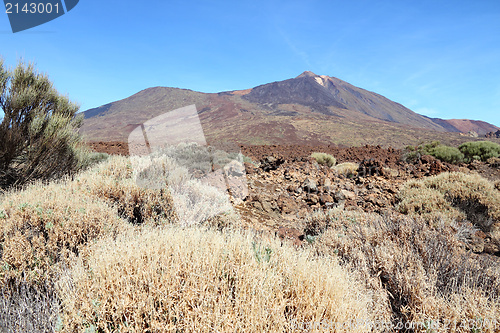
x=344, y=195
x=324, y=199
x=310, y=185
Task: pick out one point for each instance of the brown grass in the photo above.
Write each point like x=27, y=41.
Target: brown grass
x=114, y=183
x=419, y=272
x=69, y=259
x=172, y=279
x=457, y=196
x=46, y=225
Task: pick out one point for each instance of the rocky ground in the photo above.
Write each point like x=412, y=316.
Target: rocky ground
x=285, y=184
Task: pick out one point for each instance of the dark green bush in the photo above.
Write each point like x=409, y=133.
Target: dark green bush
x=482, y=150
x=447, y=154
x=436, y=149
x=38, y=133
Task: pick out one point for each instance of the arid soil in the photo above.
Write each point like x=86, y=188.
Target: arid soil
x=113, y=148
x=285, y=184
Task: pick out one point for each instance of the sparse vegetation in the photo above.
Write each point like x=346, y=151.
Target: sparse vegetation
x=153, y=244
x=416, y=271
x=148, y=244
x=458, y=195
x=46, y=225
x=324, y=159
x=94, y=252
x=494, y=162
x=466, y=152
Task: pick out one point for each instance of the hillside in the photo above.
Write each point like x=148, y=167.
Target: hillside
x=466, y=125
x=308, y=109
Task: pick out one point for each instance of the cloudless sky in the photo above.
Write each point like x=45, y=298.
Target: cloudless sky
x=438, y=58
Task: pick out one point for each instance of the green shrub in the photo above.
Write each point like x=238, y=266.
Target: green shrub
x=447, y=154
x=482, y=150
x=94, y=158
x=436, y=149
x=414, y=153
x=38, y=133
x=324, y=159
x=428, y=147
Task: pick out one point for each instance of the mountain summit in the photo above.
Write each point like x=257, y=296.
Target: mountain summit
x=309, y=108
x=320, y=91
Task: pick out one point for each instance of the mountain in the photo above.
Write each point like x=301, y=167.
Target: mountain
x=310, y=108
x=321, y=92
x=466, y=125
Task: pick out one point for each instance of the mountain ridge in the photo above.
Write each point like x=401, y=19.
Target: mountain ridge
x=309, y=108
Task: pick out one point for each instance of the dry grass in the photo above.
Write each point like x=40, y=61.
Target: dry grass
x=172, y=279
x=70, y=260
x=418, y=272
x=114, y=183
x=28, y=308
x=196, y=201
x=457, y=196
x=324, y=159
x=46, y=225
x=347, y=169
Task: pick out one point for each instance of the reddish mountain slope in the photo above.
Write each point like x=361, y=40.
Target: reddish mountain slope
x=310, y=109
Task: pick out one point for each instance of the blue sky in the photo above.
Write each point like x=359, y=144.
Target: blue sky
x=439, y=58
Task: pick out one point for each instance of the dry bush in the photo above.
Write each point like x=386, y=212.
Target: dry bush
x=417, y=199
x=46, y=225
x=494, y=162
x=196, y=201
x=25, y=307
x=324, y=159
x=347, y=169
x=419, y=272
x=113, y=182
x=190, y=280
x=457, y=194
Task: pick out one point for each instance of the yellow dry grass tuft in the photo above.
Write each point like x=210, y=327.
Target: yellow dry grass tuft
x=324, y=159
x=172, y=279
x=419, y=272
x=114, y=183
x=347, y=168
